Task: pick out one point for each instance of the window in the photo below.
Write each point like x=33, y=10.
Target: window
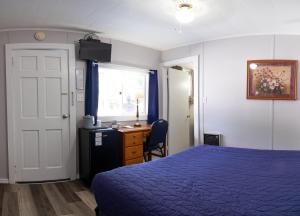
x=119, y=89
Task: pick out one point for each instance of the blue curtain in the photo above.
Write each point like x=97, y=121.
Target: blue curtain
x=153, y=97
x=91, y=89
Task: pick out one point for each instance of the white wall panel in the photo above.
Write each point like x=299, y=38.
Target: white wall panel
x=287, y=113
x=27, y=36
x=177, y=53
x=131, y=55
x=243, y=123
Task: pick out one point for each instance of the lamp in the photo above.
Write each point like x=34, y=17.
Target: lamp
x=184, y=13
x=137, y=123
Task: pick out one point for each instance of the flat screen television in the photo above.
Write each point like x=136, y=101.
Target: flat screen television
x=94, y=50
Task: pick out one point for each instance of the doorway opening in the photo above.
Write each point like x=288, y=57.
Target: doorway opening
x=180, y=105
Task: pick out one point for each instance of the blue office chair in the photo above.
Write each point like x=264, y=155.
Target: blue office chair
x=156, y=141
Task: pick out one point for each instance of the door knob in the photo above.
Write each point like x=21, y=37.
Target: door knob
x=65, y=116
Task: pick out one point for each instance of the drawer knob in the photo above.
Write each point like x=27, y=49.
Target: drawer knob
x=134, y=152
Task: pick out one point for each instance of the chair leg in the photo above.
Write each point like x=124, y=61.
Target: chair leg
x=162, y=152
x=149, y=156
x=165, y=149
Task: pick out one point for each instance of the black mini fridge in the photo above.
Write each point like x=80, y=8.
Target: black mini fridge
x=99, y=150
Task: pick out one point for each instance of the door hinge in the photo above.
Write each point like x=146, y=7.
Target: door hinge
x=12, y=60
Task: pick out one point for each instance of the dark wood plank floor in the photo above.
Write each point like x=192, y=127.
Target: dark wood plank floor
x=48, y=199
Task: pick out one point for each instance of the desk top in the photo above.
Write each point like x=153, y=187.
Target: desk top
x=135, y=129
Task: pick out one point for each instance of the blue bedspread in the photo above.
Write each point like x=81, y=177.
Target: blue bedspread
x=204, y=181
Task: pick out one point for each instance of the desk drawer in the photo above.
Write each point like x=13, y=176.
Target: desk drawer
x=134, y=161
x=133, y=139
x=133, y=152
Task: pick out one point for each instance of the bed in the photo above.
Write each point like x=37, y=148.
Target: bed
x=204, y=181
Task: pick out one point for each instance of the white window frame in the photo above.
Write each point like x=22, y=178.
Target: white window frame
x=133, y=69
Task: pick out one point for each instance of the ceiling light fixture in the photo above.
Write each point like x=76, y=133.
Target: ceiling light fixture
x=185, y=13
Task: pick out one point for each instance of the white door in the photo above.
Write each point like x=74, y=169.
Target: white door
x=178, y=110
x=41, y=111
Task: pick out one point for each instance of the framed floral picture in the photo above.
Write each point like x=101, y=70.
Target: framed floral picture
x=272, y=79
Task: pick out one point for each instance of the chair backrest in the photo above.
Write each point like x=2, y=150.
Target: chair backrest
x=157, y=134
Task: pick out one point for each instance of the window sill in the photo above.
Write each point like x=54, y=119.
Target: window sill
x=121, y=118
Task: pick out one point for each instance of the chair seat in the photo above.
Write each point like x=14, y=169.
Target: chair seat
x=152, y=148
x=156, y=139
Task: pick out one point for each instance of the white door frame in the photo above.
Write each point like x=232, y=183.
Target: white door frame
x=198, y=107
x=9, y=48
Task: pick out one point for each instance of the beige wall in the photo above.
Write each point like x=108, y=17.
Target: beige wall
x=122, y=53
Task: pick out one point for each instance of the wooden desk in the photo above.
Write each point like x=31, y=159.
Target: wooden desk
x=133, y=143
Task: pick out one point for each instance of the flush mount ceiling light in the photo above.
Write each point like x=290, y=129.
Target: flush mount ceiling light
x=185, y=12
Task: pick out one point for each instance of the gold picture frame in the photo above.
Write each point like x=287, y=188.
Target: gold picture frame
x=272, y=79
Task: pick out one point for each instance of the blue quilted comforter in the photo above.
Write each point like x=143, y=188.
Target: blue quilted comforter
x=204, y=181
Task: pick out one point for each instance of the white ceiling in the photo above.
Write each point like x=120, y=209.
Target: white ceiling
x=152, y=23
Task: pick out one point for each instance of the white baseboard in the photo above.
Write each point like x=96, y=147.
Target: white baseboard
x=3, y=181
